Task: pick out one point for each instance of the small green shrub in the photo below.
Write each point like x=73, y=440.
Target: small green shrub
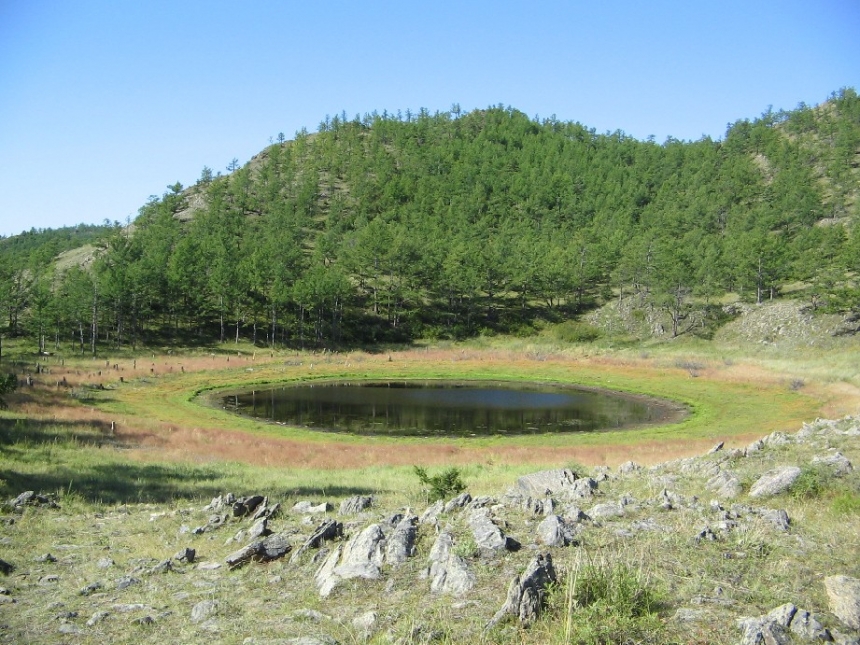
x=466, y=547
x=810, y=484
x=442, y=486
x=572, y=331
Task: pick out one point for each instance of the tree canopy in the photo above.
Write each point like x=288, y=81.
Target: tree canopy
x=389, y=228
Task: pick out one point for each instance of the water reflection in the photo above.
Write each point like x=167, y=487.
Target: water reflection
x=445, y=408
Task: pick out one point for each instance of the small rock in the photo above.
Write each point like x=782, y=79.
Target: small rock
x=203, y=610
x=105, y=563
x=629, y=467
x=605, y=511
x=47, y=557
x=90, y=588
x=186, y=555
x=97, y=617
x=311, y=615
x=246, y=505
x=126, y=581
x=70, y=629
x=365, y=622
x=311, y=508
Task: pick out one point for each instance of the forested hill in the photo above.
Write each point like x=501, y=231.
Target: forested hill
x=450, y=224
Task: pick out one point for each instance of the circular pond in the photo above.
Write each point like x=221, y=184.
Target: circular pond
x=448, y=408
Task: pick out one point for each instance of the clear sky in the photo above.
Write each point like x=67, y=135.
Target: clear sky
x=106, y=102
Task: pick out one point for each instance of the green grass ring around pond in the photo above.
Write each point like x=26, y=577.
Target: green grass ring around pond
x=718, y=408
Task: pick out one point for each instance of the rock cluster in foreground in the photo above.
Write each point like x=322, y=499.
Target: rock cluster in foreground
x=464, y=569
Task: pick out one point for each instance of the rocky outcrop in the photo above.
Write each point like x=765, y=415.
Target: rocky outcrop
x=527, y=592
x=448, y=572
x=547, y=482
x=401, y=543
x=361, y=557
x=270, y=548
x=488, y=535
x=782, y=626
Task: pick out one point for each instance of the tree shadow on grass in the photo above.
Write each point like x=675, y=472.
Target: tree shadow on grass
x=115, y=480
x=22, y=431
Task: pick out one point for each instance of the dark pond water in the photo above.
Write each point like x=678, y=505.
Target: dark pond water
x=446, y=408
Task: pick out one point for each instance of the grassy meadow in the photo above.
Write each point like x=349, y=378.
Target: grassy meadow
x=132, y=448
x=143, y=427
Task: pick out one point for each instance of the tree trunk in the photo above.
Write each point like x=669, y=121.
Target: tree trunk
x=274, y=325
x=94, y=329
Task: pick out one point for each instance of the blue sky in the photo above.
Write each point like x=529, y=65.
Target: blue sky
x=104, y=103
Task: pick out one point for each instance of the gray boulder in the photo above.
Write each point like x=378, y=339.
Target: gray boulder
x=554, y=531
x=725, y=485
x=762, y=630
x=488, y=536
x=837, y=463
x=546, y=482
x=310, y=508
x=355, y=505
x=605, y=511
x=203, y=610
x=775, y=482
x=844, y=595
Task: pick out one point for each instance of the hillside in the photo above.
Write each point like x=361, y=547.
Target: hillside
x=390, y=228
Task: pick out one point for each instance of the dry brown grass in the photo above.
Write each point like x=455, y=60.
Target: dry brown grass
x=210, y=439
